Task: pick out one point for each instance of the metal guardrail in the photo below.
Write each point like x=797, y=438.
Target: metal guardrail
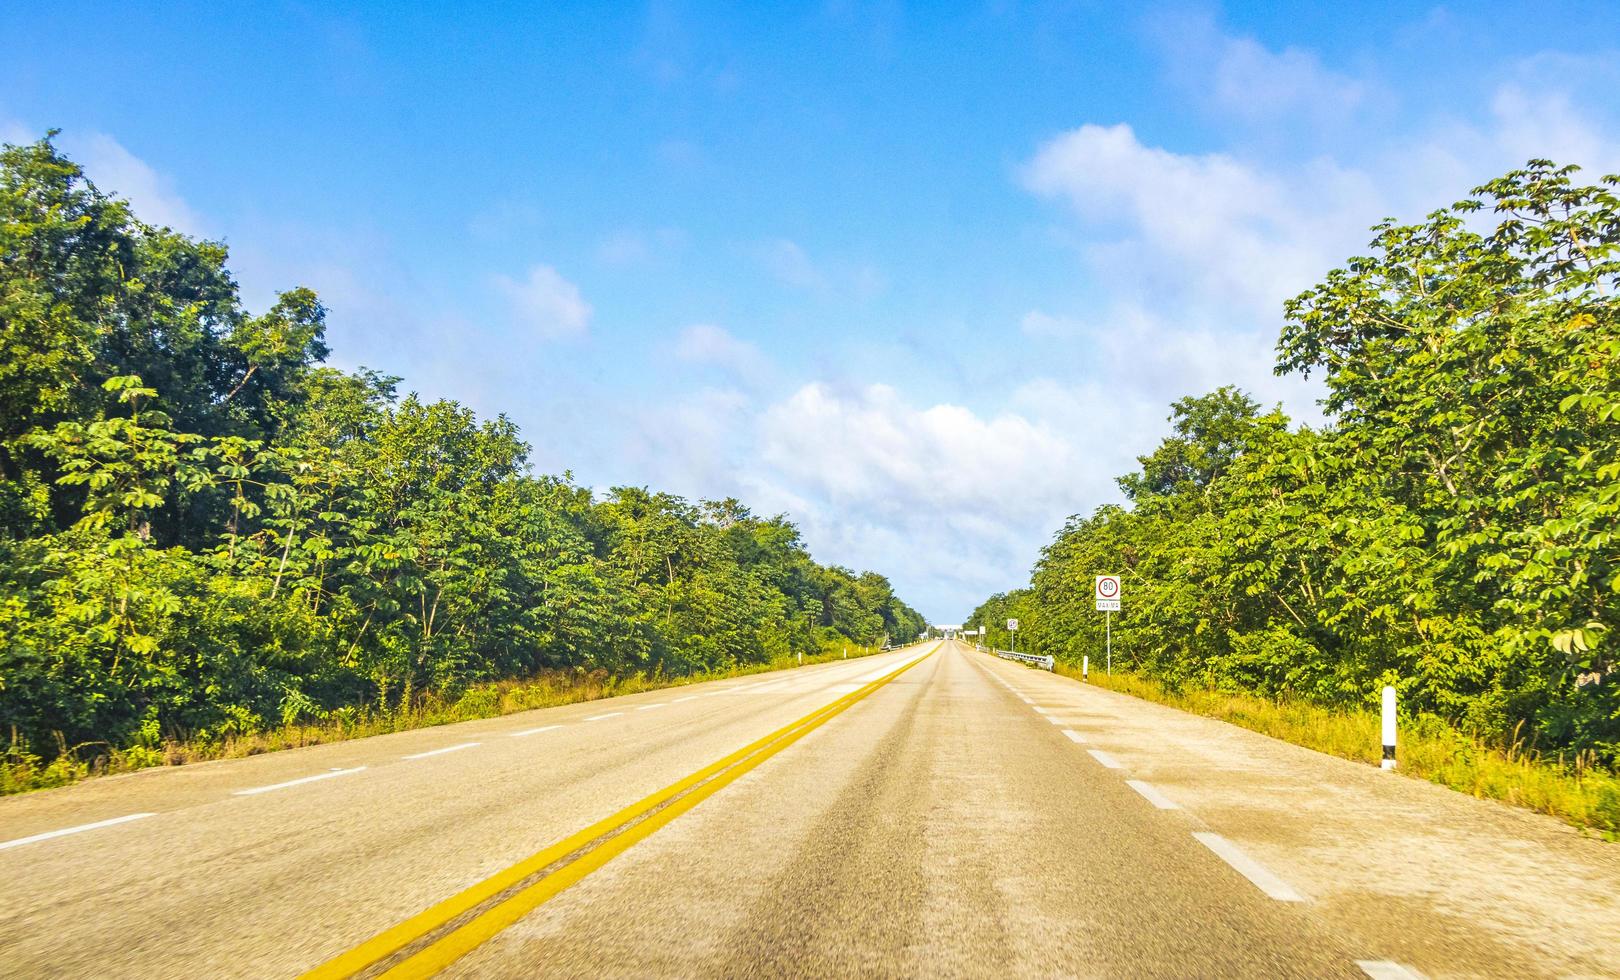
x=1044, y=663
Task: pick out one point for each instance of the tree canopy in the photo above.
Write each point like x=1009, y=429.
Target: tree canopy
x=1452, y=530
x=205, y=530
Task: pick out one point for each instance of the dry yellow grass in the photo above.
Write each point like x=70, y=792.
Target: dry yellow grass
x=1576, y=790
x=22, y=770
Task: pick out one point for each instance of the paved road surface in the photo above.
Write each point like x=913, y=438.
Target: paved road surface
x=960, y=816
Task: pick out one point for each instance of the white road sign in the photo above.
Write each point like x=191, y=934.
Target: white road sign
x=1012, y=625
x=1107, y=589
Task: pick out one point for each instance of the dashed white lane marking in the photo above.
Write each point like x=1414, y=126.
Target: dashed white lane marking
x=610, y=714
x=297, y=782
x=1041, y=711
x=1025, y=700
x=81, y=828
x=1388, y=970
x=445, y=750
x=649, y=707
x=1108, y=761
x=689, y=697
x=1054, y=719
x=1074, y=736
x=1152, y=795
x=1248, y=867
x=535, y=731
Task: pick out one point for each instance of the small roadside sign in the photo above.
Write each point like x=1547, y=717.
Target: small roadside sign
x=1107, y=593
x=1012, y=625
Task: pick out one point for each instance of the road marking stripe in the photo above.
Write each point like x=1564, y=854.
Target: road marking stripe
x=689, y=697
x=297, y=782
x=1108, y=761
x=1152, y=795
x=81, y=828
x=649, y=707
x=535, y=731
x=1248, y=867
x=610, y=714
x=1074, y=736
x=1387, y=970
x=447, y=748
x=1059, y=721
x=453, y=945
x=1041, y=711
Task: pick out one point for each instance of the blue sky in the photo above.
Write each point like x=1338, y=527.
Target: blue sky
x=922, y=276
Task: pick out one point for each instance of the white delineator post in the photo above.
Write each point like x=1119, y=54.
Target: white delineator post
x=1389, y=729
x=1085, y=666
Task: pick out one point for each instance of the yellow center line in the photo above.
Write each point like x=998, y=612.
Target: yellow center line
x=458, y=942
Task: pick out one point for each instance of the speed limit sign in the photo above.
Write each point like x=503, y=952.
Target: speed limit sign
x=1107, y=593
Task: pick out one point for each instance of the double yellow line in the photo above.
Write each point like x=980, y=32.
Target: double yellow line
x=611, y=836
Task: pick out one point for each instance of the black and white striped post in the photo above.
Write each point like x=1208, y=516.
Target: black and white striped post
x=1389, y=728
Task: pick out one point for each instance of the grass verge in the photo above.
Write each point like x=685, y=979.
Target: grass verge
x=1575, y=790
x=22, y=770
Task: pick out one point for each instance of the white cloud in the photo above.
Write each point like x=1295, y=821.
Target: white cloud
x=634, y=247
x=877, y=481
x=1546, y=123
x=707, y=345
x=1240, y=79
x=868, y=448
x=789, y=263
x=16, y=133
x=1039, y=324
x=548, y=304
x=1211, y=224
x=115, y=170
x=118, y=172
x=623, y=248
x=1258, y=84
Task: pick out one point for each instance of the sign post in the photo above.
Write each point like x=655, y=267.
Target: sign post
x=1012, y=627
x=1106, y=589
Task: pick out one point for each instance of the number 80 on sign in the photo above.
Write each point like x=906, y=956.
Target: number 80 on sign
x=1107, y=593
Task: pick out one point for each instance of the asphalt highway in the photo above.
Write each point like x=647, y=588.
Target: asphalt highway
x=932, y=811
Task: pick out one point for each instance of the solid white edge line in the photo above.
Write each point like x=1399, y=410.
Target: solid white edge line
x=1152, y=795
x=81, y=828
x=1248, y=867
x=447, y=748
x=534, y=731
x=1108, y=761
x=1387, y=970
x=610, y=714
x=296, y=782
x=1074, y=736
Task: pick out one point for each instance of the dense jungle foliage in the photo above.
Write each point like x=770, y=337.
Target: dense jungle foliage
x=1451, y=530
x=204, y=531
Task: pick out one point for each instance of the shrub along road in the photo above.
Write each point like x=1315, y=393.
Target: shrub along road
x=929, y=811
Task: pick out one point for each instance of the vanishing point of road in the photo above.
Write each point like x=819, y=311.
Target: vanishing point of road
x=932, y=811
